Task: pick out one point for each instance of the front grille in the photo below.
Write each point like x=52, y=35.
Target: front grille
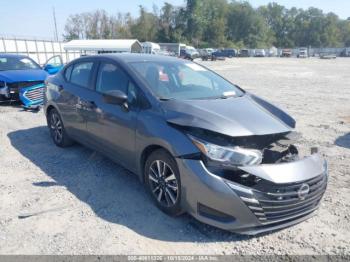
x=34, y=94
x=15, y=87
x=282, y=202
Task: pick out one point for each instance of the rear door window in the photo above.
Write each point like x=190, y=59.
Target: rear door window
x=81, y=74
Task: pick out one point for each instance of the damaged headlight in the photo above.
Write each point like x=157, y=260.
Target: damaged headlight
x=4, y=89
x=236, y=155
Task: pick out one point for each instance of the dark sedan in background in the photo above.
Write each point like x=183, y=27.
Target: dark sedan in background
x=200, y=144
x=222, y=53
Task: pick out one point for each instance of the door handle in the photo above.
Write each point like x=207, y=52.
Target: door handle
x=90, y=104
x=86, y=104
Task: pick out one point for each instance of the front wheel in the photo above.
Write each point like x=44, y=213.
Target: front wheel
x=57, y=130
x=163, y=182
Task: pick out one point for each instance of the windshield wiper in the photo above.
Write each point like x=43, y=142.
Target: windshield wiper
x=220, y=97
x=165, y=98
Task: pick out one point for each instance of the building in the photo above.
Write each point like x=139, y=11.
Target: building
x=104, y=46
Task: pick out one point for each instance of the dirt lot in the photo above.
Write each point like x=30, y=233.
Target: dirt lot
x=74, y=201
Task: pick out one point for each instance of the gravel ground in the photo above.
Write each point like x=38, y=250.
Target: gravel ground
x=75, y=201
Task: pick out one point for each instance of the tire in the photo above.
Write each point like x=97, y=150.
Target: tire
x=57, y=130
x=164, y=185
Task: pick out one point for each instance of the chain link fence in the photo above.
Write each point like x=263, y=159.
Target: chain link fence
x=39, y=50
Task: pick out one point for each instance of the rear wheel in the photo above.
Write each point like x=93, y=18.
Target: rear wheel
x=57, y=130
x=163, y=182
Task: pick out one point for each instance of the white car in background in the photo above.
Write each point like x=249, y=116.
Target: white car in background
x=259, y=53
x=303, y=53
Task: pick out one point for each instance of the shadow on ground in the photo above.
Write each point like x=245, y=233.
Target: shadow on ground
x=113, y=193
x=343, y=141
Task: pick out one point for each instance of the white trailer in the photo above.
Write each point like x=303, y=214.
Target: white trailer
x=150, y=48
x=87, y=47
x=172, y=48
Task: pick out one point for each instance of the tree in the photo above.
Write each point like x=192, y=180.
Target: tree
x=214, y=13
x=331, y=35
x=146, y=26
x=98, y=25
x=246, y=25
x=280, y=22
x=314, y=28
x=120, y=25
x=194, y=24
x=74, y=28
x=93, y=25
x=167, y=23
x=344, y=28
x=216, y=23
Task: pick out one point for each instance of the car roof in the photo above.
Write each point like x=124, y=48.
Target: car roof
x=129, y=57
x=12, y=55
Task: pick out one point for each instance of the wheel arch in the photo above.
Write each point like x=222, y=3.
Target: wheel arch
x=48, y=109
x=146, y=152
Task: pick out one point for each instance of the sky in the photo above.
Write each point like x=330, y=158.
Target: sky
x=33, y=18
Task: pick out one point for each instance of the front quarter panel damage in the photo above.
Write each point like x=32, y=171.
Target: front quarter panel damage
x=300, y=170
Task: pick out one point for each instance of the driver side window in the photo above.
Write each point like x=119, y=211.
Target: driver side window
x=110, y=77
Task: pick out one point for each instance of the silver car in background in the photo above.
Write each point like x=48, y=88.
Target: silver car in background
x=303, y=53
x=259, y=53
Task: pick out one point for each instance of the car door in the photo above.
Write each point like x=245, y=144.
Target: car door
x=76, y=96
x=112, y=127
x=53, y=64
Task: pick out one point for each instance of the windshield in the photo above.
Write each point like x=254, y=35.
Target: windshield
x=191, y=51
x=184, y=80
x=17, y=63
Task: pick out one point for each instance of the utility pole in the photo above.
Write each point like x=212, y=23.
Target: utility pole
x=55, y=23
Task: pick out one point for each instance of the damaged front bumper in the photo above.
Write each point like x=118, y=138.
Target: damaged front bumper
x=30, y=94
x=4, y=91
x=286, y=194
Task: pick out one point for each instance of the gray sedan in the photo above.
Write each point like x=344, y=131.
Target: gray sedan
x=199, y=143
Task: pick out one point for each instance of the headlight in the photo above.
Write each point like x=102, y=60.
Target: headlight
x=236, y=156
x=4, y=89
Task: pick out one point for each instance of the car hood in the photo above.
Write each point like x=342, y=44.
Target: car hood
x=23, y=75
x=241, y=116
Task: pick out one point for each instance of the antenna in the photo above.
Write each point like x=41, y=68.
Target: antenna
x=55, y=23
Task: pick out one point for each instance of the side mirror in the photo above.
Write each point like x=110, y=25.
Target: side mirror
x=115, y=97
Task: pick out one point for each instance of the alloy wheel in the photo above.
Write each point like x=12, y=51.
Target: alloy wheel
x=56, y=127
x=163, y=182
